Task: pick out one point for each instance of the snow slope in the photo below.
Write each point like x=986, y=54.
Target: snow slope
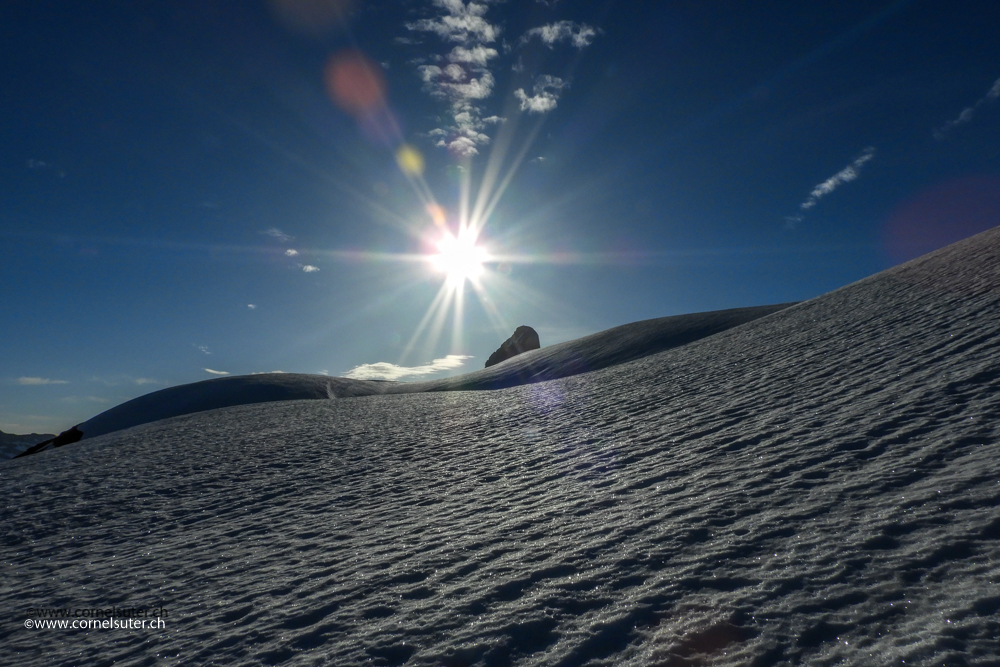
x=223, y=393
x=817, y=486
x=616, y=345
x=600, y=350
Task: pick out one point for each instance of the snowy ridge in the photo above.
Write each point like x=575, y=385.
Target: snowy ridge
x=614, y=346
x=223, y=393
x=816, y=486
x=600, y=350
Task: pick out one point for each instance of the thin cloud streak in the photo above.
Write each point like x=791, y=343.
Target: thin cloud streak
x=845, y=175
x=34, y=382
x=384, y=370
x=969, y=113
x=278, y=234
x=86, y=399
x=209, y=370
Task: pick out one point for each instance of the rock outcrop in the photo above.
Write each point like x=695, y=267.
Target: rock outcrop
x=524, y=339
x=64, y=438
x=12, y=444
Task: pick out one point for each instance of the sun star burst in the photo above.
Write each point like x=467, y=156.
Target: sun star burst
x=459, y=258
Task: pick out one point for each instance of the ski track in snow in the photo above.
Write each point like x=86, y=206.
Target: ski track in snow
x=817, y=486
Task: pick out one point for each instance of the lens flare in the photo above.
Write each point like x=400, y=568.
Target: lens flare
x=437, y=214
x=410, y=161
x=355, y=83
x=311, y=17
x=942, y=215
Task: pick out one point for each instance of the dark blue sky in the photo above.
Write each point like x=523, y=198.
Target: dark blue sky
x=166, y=165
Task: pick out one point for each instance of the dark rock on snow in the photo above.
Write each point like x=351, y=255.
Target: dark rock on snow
x=65, y=438
x=524, y=339
x=12, y=444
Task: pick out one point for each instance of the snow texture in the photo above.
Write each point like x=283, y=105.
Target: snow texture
x=817, y=486
x=614, y=346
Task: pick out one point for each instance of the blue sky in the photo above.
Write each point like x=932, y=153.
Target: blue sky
x=190, y=189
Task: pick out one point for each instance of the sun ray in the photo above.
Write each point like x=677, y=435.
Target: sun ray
x=497, y=321
x=437, y=303
x=457, y=333
x=481, y=216
x=437, y=325
x=308, y=338
x=487, y=198
x=503, y=288
x=465, y=186
x=498, y=153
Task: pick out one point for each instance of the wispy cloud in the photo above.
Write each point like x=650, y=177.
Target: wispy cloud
x=120, y=380
x=969, y=112
x=309, y=268
x=386, y=371
x=203, y=349
x=252, y=306
x=579, y=35
x=478, y=55
x=86, y=399
x=461, y=22
x=457, y=84
x=462, y=76
x=209, y=370
x=845, y=175
x=291, y=252
x=546, y=94
x=31, y=381
x=278, y=234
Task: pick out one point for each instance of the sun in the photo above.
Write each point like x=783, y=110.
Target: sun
x=459, y=258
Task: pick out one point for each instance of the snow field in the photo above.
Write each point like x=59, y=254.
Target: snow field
x=816, y=486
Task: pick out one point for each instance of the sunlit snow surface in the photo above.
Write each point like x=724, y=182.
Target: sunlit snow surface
x=817, y=486
x=606, y=348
